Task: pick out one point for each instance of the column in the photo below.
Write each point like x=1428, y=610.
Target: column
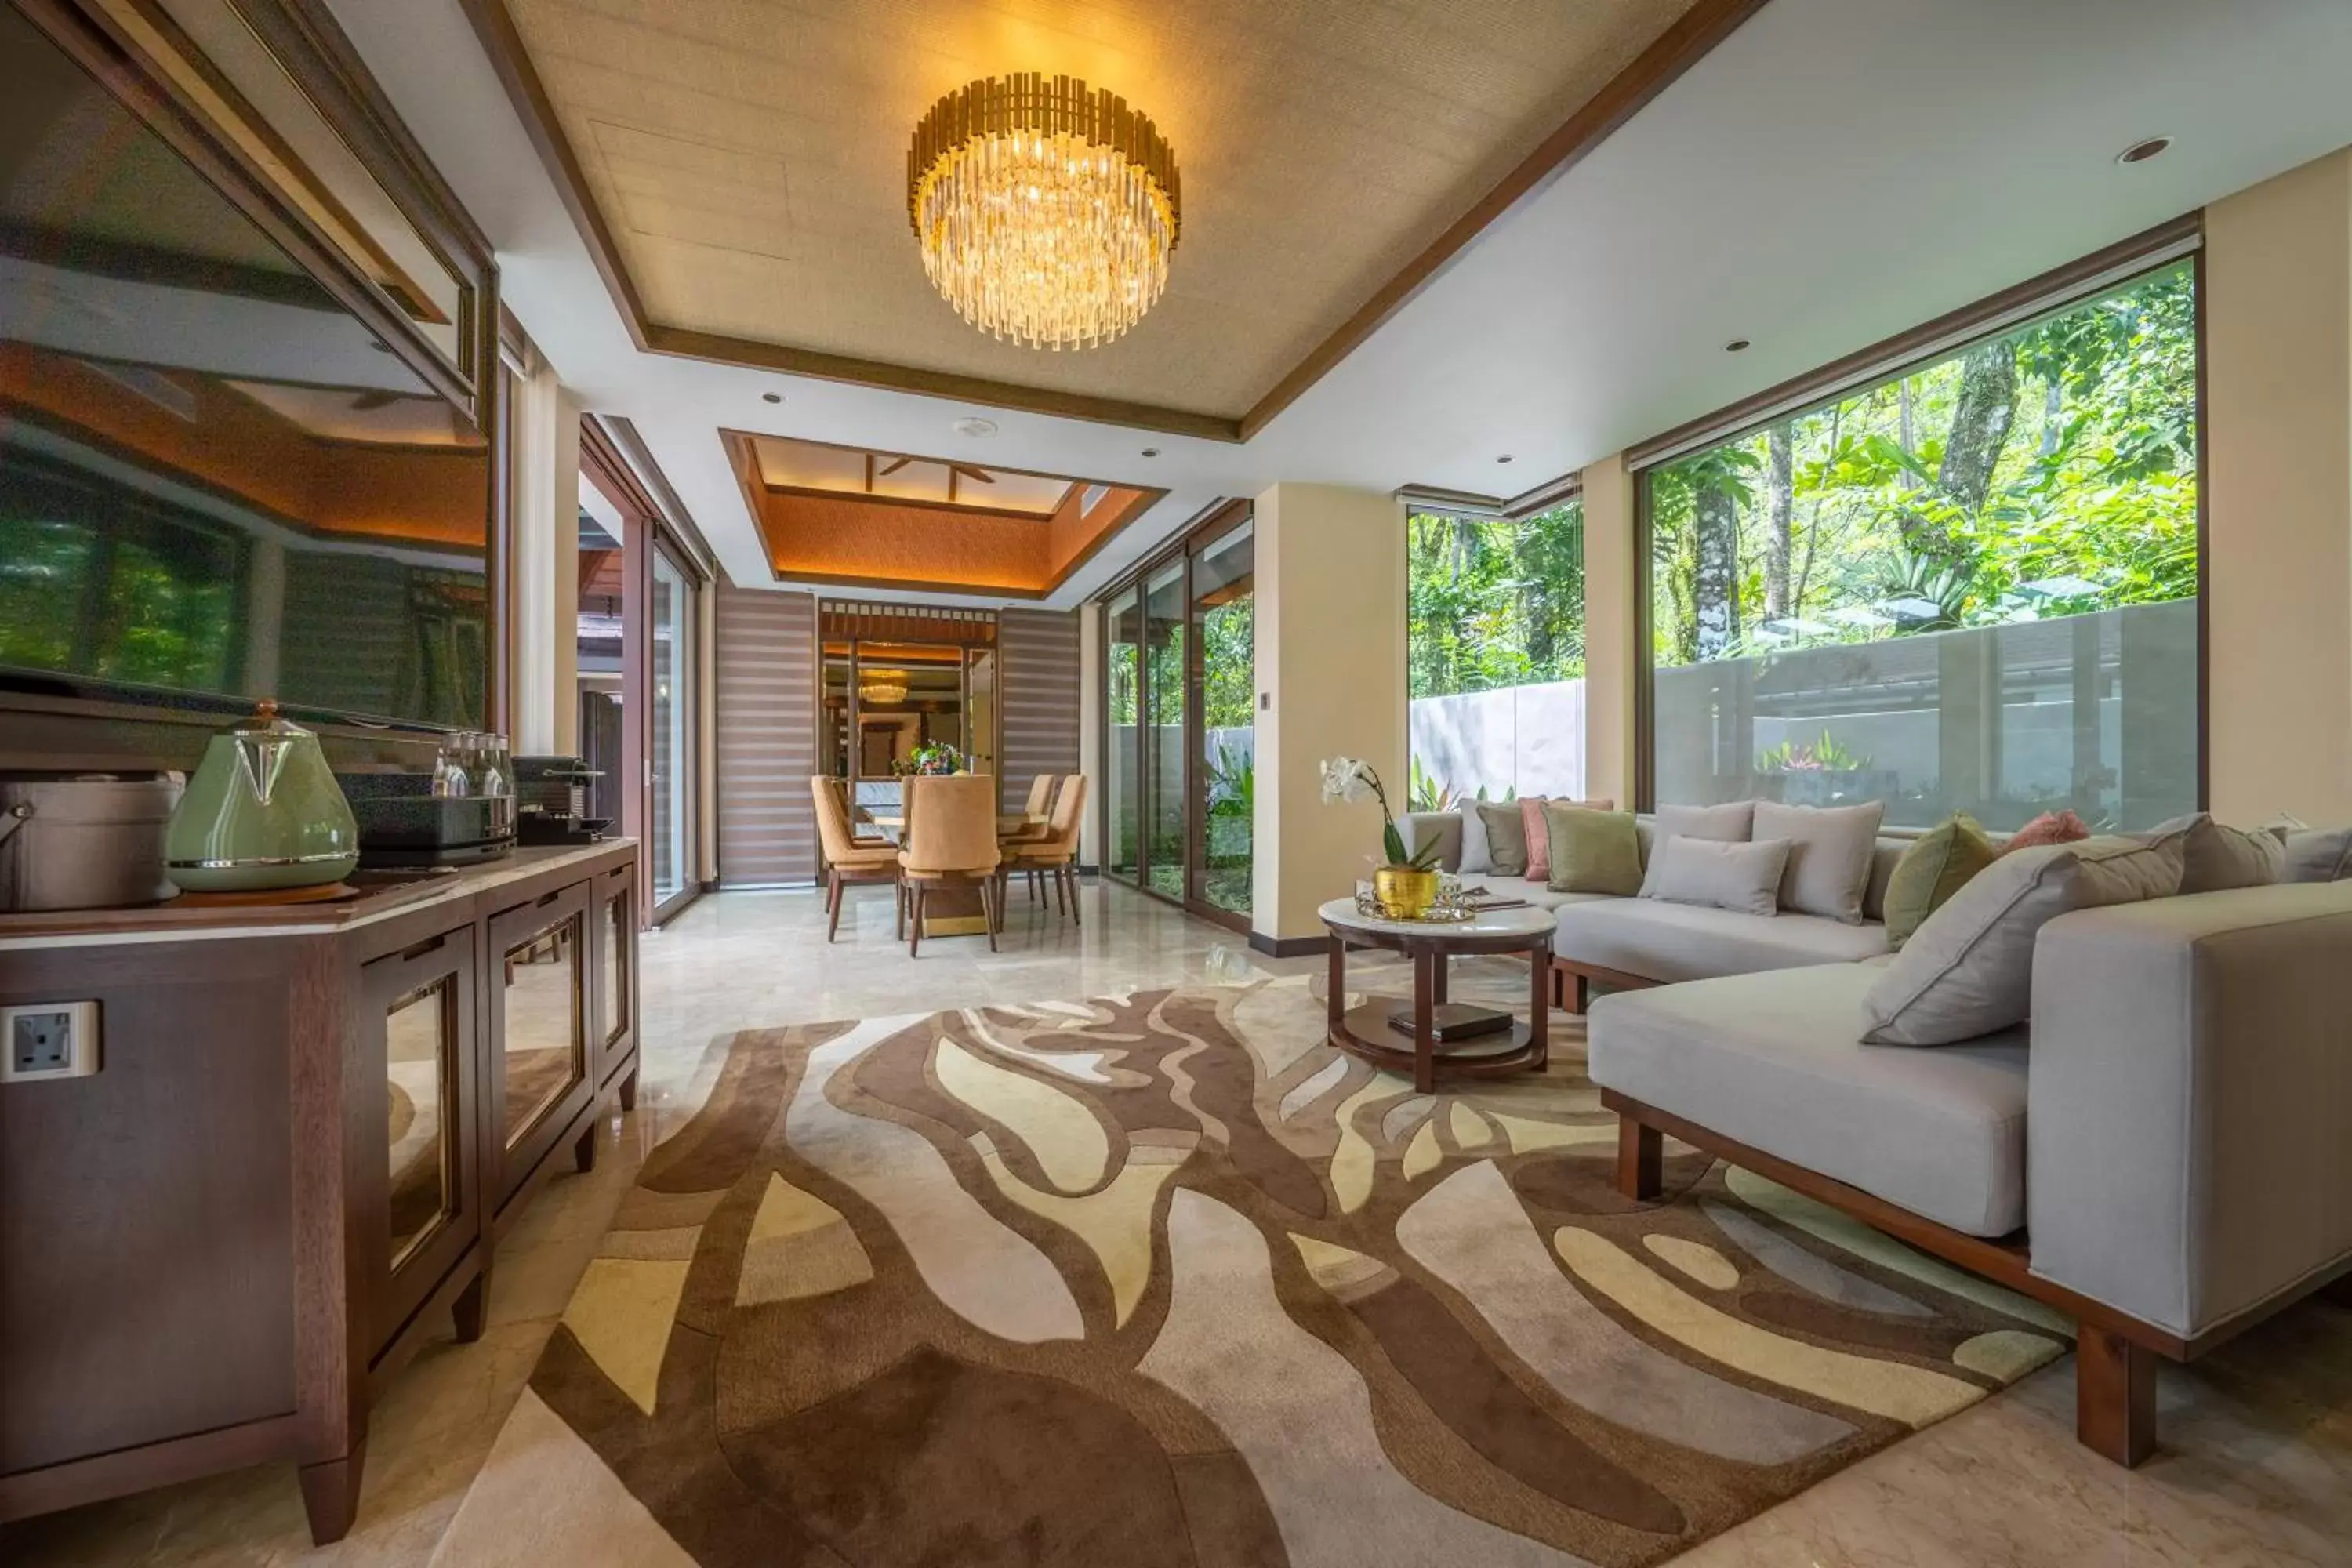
x=1331, y=682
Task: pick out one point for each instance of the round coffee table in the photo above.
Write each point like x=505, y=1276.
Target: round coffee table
x=1368, y=1031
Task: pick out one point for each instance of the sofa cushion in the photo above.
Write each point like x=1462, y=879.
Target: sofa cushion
x=1684, y=942
x=1969, y=970
x=1829, y=853
x=1476, y=858
x=1939, y=863
x=1592, y=851
x=1776, y=1062
x=1507, y=838
x=1744, y=877
x=2315, y=854
x=2220, y=859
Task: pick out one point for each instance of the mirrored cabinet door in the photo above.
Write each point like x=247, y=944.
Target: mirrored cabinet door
x=545, y=1045
x=541, y=1056
x=616, y=957
x=419, y=1025
x=420, y=1051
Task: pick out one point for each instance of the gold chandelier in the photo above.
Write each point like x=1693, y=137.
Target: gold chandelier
x=882, y=687
x=1045, y=212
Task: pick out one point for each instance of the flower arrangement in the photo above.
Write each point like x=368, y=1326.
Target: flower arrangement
x=929, y=761
x=1354, y=778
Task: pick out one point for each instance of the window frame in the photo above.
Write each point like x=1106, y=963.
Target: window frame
x=2039, y=299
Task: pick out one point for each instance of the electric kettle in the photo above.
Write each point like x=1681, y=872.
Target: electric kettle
x=262, y=813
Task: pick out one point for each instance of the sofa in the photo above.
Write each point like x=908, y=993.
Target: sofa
x=1623, y=941
x=2161, y=1150
x=2163, y=1153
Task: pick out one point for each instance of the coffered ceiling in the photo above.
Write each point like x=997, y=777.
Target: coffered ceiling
x=741, y=165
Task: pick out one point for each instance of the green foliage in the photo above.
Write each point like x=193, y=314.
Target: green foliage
x=1423, y=793
x=1232, y=785
x=2052, y=473
x=1493, y=603
x=1825, y=755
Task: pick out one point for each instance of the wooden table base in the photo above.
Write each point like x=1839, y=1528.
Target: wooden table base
x=1365, y=1032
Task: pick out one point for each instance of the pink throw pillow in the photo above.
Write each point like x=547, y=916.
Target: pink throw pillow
x=2050, y=827
x=1531, y=822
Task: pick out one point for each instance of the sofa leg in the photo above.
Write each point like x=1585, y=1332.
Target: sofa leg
x=1573, y=990
x=1641, y=1160
x=2115, y=1396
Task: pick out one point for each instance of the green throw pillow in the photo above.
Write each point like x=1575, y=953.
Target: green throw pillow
x=1593, y=851
x=1939, y=864
x=1507, y=838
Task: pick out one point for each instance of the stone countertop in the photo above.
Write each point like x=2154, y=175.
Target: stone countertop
x=380, y=895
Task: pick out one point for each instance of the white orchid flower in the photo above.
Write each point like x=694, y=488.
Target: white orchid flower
x=1348, y=779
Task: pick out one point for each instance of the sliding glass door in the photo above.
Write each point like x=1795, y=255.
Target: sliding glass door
x=1163, y=765
x=1122, y=734
x=1179, y=694
x=1224, y=708
x=671, y=743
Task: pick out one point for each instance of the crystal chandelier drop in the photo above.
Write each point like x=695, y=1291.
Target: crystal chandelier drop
x=1045, y=212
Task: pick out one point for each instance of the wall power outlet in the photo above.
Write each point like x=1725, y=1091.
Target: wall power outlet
x=48, y=1040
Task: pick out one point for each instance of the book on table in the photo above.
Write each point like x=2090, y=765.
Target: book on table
x=1452, y=1022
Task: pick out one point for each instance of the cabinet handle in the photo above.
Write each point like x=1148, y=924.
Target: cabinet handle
x=430, y=945
x=547, y=899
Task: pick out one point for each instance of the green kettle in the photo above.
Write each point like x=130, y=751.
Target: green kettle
x=262, y=813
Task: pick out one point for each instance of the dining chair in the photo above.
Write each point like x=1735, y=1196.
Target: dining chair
x=950, y=839
x=1057, y=854
x=846, y=859
x=1032, y=823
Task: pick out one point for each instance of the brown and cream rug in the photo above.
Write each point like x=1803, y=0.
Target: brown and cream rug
x=1162, y=1279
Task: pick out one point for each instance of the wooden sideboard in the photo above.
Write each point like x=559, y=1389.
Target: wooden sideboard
x=308, y=1127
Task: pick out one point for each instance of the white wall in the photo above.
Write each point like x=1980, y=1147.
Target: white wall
x=1526, y=738
x=545, y=589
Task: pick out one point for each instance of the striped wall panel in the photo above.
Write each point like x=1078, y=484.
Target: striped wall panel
x=766, y=658
x=1037, y=655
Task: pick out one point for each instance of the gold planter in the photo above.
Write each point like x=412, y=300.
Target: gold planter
x=1404, y=894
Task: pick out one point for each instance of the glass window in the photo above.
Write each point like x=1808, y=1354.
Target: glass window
x=1163, y=674
x=1495, y=640
x=1970, y=588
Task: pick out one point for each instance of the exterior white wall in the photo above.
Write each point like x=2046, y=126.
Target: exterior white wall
x=1527, y=738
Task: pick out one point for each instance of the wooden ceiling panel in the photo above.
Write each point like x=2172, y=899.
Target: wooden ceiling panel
x=745, y=162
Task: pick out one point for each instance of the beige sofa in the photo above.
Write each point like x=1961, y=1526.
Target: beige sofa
x=2164, y=1153
x=1624, y=942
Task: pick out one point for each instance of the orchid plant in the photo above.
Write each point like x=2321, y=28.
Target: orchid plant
x=1352, y=779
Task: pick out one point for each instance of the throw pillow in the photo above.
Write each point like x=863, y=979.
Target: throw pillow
x=1477, y=860
x=2315, y=854
x=1730, y=823
x=1538, y=836
x=2219, y=858
x=1969, y=969
x=1741, y=877
x=1830, y=849
x=1507, y=838
x=1727, y=823
x=1936, y=865
x=1592, y=851
x=2050, y=827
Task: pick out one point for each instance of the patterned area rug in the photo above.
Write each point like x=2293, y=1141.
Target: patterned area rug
x=1163, y=1279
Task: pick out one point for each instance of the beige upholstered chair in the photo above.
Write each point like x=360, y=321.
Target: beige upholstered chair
x=1057, y=854
x=951, y=838
x=1032, y=823
x=846, y=861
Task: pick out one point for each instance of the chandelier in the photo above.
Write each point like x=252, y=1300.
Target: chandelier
x=1045, y=212
x=882, y=689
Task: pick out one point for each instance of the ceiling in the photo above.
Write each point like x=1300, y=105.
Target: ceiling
x=1832, y=173
x=747, y=159
x=851, y=516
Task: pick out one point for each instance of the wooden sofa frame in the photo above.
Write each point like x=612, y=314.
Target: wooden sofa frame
x=2115, y=1400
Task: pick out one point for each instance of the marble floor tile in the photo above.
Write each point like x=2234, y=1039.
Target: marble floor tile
x=2256, y=1466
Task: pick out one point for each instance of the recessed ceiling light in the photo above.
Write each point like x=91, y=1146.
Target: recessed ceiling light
x=1151, y=451
x=771, y=397
x=975, y=427
x=1504, y=458
x=2141, y=152
x=1736, y=345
